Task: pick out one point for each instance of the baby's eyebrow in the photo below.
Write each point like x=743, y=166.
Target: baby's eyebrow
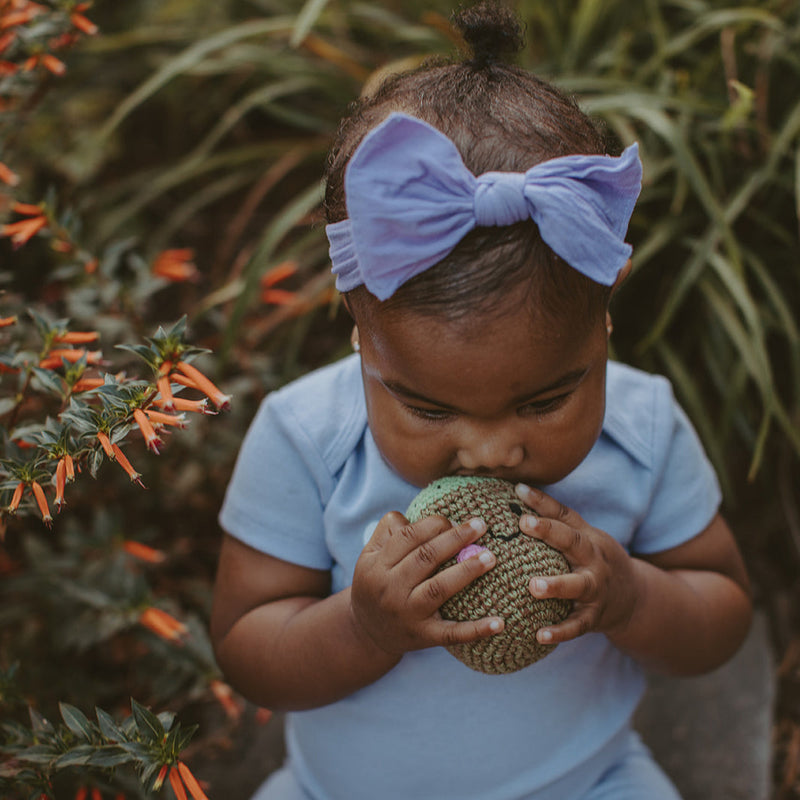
x=395, y=387
x=567, y=379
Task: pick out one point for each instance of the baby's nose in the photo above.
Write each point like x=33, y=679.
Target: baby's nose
x=490, y=449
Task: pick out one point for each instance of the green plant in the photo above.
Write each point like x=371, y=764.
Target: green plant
x=169, y=168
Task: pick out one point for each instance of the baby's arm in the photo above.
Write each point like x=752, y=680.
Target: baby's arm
x=683, y=611
x=285, y=642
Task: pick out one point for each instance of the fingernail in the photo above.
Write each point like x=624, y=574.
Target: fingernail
x=495, y=625
x=528, y=521
x=470, y=551
x=544, y=636
x=539, y=586
x=486, y=558
x=478, y=525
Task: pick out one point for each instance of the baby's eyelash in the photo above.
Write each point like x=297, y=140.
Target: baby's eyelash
x=428, y=414
x=541, y=407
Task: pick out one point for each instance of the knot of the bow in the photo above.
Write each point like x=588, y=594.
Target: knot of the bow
x=500, y=199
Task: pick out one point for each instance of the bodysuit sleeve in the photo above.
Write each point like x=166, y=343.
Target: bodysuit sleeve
x=274, y=500
x=685, y=493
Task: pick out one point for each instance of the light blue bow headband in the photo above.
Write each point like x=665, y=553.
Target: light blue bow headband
x=411, y=200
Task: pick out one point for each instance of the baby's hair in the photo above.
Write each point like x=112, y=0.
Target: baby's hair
x=501, y=118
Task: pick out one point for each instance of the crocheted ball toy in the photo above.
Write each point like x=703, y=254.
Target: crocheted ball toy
x=503, y=591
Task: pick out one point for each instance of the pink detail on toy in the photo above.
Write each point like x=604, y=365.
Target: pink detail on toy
x=469, y=551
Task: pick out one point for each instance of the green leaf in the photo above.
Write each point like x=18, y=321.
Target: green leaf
x=39, y=724
x=38, y=754
x=147, y=723
x=75, y=757
x=109, y=756
x=189, y=58
x=48, y=380
x=167, y=719
x=108, y=727
x=76, y=721
x=298, y=208
x=305, y=20
x=138, y=751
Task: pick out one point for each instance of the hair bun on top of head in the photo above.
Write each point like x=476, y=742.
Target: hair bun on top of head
x=491, y=31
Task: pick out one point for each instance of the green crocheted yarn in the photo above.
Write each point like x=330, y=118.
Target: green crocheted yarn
x=503, y=591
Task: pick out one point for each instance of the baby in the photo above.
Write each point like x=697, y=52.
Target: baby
x=477, y=230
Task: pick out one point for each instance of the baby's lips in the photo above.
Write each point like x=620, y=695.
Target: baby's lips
x=469, y=551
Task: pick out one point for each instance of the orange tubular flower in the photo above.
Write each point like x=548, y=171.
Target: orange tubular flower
x=70, y=467
x=82, y=793
x=52, y=64
x=191, y=782
x=148, y=431
x=41, y=501
x=177, y=786
x=17, y=497
x=96, y=795
x=162, y=774
x=180, y=378
x=7, y=176
x=220, y=400
x=175, y=265
x=182, y=404
x=157, y=418
x=86, y=384
x=61, y=482
x=165, y=390
x=144, y=552
x=73, y=356
x=263, y=716
x=224, y=695
x=23, y=230
x=76, y=337
x=280, y=297
x=28, y=209
x=6, y=39
x=163, y=624
x=279, y=273
x=14, y=18
x=6, y=321
x=83, y=24
x=102, y=437
x=126, y=465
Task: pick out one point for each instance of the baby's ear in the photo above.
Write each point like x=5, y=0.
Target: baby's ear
x=623, y=274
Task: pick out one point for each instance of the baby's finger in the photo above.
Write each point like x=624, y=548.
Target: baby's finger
x=396, y=537
x=429, y=595
x=576, y=624
x=580, y=586
x=575, y=545
x=447, y=633
x=546, y=506
x=429, y=554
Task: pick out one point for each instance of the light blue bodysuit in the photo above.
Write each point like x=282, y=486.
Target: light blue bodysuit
x=309, y=488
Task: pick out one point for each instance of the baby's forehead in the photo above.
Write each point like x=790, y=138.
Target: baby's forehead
x=511, y=313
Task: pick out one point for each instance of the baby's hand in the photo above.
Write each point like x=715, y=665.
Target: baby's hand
x=601, y=584
x=396, y=592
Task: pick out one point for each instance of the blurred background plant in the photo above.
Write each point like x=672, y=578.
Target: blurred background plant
x=168, y=167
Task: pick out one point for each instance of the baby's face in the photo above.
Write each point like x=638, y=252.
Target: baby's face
x=504, y=397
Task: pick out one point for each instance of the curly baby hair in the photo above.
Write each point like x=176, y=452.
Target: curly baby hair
x=500, y=118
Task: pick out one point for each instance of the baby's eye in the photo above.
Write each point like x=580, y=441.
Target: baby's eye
x=429, y=414
x=542, y=407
